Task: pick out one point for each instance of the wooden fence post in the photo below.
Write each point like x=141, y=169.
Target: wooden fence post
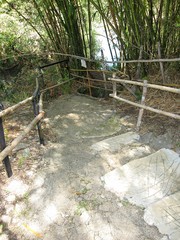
x=161, y=64
x=35, y=102
x=143, y=103
x=6, y=160
x=114, y=86
x=89, y=83
x=139, y=64
x=103, y=68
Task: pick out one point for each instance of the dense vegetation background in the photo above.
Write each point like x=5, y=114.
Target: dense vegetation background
x=30, y=30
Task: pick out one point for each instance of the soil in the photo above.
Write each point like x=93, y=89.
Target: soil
x=156, y=130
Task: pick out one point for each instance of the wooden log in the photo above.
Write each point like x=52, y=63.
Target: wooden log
x=176, y=116
x=17, y=140
x=168, y=89
x=13, y=108
x=142, y=103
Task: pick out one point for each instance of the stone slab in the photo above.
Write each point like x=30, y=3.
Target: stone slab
x=165, y=215
x=114, y=144
x=146, y=180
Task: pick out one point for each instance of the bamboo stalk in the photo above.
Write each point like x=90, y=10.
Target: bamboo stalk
x=168, y=89
x=141, y=111
x=176, y=116
x=16, y=106
x=17, y=140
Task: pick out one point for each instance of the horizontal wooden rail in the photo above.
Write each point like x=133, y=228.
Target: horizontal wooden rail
x=169, y=89
x=92, y=60
x=91, y=70
x=92, y=86
x=146, y=61
x=14, y=107
x=54, y=63
x=176, y=116
x=17, y=140
x=57, y=85
x=91, y=79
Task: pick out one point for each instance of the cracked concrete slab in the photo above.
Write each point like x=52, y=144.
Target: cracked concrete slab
x=114, y=144
x=165, y=214
x=146, y=180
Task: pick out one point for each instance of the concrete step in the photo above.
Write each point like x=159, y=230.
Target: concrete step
x=165, y=214
x=121, y=149
x=151, y=182
x=114, y=144
x=146, y=180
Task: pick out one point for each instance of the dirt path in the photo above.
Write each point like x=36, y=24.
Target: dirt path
x=66, y=199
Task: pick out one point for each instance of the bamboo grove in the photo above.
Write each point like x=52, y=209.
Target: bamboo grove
x=143, y=23
x=128, y=25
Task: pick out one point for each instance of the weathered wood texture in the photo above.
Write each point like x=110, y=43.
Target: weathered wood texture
x=142, y=103
x=17, y=140
x=176, y=116
x=13, y=108
x=168, y=89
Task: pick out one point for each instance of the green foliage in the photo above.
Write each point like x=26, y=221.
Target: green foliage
x=21, y=161
x=143, y=23
x=67, y=26
x=87, y=205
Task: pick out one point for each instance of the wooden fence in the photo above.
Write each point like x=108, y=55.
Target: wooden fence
x=37, y=100
x=142, y=105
